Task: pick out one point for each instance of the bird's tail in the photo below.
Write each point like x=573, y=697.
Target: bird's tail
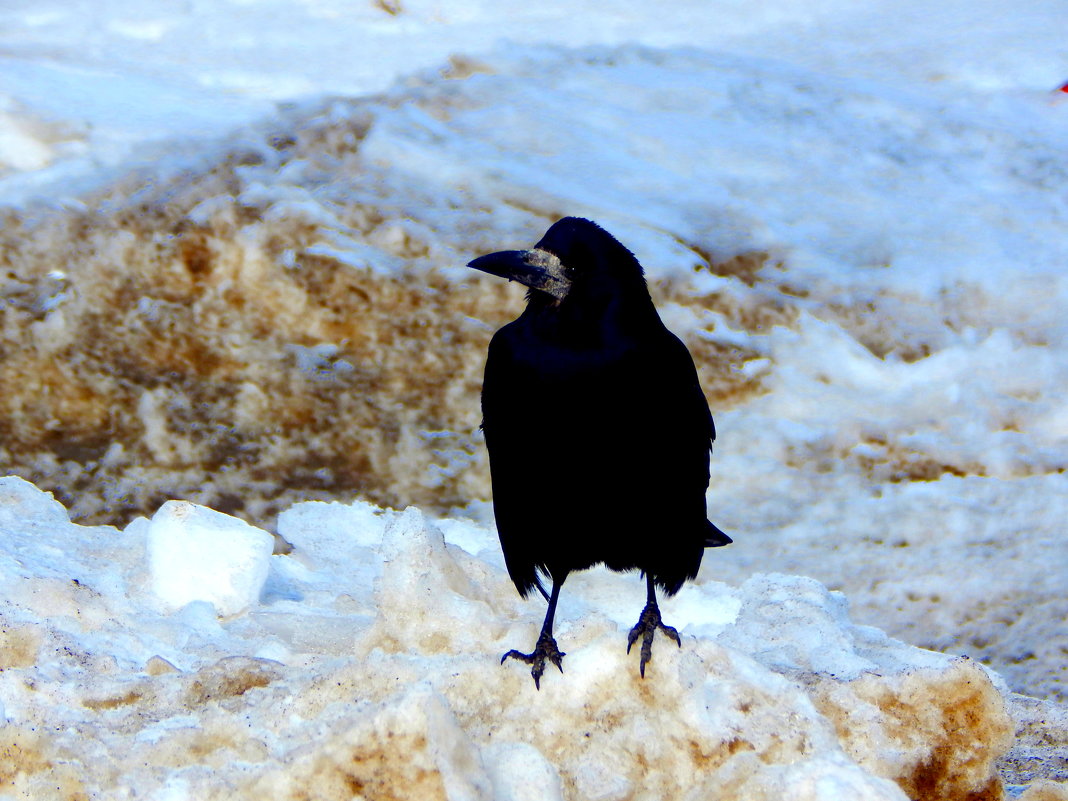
x=714, y=538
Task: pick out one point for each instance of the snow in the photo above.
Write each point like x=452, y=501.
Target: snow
x=198, y=554
x=106, y=81
x=233, y=242
x=372, y=659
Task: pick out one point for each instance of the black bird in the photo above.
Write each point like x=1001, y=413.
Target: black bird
x=598, y=433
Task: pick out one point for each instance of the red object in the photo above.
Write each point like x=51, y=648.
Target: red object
x=1064, y=88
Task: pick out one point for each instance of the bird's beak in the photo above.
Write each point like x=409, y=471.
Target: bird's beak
x=539, y=269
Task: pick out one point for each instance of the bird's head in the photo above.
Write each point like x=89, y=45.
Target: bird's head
x=576, y=257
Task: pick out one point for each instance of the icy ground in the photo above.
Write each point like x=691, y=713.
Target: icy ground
x=365, y=664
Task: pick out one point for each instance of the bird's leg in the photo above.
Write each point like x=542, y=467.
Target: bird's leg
x=546, y=649
x=647, y=625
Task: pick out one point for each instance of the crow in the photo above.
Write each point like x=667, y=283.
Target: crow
x=598, y=432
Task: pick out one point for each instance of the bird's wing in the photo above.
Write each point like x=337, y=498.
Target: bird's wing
x=672, y=444
x=508, y=408
x=672, y=395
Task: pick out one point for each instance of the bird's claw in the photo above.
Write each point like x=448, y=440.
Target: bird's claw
x=546, y=650
x=646, y=628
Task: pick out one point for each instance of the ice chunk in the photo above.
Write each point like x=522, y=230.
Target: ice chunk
x=427, y=598
x=21, y=502
x=410, y=747
x=198, y=554
x=520, y=772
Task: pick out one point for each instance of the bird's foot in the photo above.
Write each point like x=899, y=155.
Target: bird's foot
x=646, y=628
x=544, y=651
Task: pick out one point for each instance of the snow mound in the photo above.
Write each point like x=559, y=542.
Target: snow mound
x=369, y=666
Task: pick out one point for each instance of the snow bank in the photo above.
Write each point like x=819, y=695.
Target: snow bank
x=370, y=666
x=188, y=72
x=268, y=315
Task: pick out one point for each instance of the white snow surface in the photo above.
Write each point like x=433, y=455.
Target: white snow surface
x=85, y=86
x=374, y=604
